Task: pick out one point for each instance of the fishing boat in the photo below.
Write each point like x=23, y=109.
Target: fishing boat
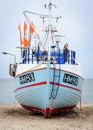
x=48, y=78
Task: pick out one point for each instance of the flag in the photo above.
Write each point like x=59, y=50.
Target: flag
x=26, y=43
x=19, y=27
x=25, y=26
x=32, y=28
x=21, y=42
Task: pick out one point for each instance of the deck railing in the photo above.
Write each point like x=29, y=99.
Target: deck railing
x=58, y=57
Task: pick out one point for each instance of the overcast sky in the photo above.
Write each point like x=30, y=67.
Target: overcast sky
x=76, y=24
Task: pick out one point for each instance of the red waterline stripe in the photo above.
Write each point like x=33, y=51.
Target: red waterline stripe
x=31, y=108
x=47, y=110
x=65, y=86
x=29, y=71
x=31, y=85
x=42, y=83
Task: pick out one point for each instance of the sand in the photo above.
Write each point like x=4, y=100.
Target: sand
x=14, y=117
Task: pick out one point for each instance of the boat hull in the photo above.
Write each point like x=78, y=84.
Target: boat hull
x=48, y=88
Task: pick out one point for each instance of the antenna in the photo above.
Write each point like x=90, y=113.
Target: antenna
x=49, y=6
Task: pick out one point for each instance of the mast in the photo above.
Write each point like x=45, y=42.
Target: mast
x=49, y=28
x=49, y=7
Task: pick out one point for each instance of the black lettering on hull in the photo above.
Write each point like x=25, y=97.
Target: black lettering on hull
x=27, y=78
x=70, y=79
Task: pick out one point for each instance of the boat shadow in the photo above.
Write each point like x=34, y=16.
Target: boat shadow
x=20, y=112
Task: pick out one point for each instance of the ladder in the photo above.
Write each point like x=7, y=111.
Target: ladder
x=56, y=81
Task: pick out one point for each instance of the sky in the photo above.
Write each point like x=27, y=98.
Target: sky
x=76, y=25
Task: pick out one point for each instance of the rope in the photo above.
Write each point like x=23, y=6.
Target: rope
x=35, y=13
